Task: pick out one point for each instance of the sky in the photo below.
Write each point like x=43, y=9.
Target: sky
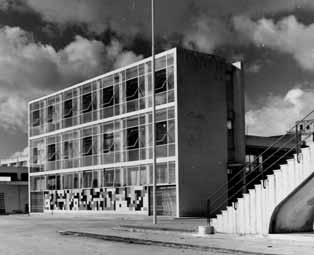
x=47, y=45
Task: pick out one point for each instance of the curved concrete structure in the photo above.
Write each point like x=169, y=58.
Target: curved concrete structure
x=296, y=212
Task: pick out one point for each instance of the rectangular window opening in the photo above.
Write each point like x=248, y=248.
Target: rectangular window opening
x=67, y=109
x=161, y=133
x=132, y=89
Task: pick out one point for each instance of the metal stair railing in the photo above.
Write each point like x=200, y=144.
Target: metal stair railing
x=221, y=204
x=223, y=187
x=261, y=173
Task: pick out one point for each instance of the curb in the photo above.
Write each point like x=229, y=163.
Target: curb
x=143, y=228
x=131, y=240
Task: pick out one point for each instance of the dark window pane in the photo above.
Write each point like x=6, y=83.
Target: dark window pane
x=95, y=179
x=35, y=155
x=67, y=150
x=108, y=177
x=67, y=109
x=87, y=146
x=50, y=113
x=161, y=81
x=51, y=152
x=76, y=182
x=108, y=143
x=87, y=103
x=51, y=182
x=107, y=96
x=132, y=138
x=87, y=179
x=131, y=89
x=161, y=133
x=36, y=118
x=67, y=181
x=24, y=177
x=58, y=182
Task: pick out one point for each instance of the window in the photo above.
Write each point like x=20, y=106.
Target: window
x=133, y=174
x=51, y=182
x=67, y=109
x=162, y=173
x=95, y=179
x=35, y=155
x=36, y=118
x=108, y=144
x=76, y=181
x=51, y=149
x=131, y=89
x=132, y=138
x=87, y=103
x=68, y=181
x=161, y=133
x=50, y=113
x=87, y=146
x=108, y=177
x=87, y=179
x=67, y=149
x=107, y=96
x=161, y=81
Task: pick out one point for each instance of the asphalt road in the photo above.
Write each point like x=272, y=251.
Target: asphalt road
x=38, y=235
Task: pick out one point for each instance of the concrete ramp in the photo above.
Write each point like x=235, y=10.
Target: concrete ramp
x=296, y=212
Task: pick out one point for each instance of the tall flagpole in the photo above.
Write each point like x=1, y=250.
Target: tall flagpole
x=153, y=113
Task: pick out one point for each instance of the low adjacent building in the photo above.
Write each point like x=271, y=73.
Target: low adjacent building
x=14, y=185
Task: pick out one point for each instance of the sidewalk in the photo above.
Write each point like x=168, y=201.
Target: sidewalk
x=178, y=233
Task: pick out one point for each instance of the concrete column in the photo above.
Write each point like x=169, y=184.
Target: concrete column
x=213, y=223
x=241, y=215
x=252, y=211
x=224, y=221
x=283, y=180
x=247, y=222
x=277, y=174
x=236, y=218
x=296, y=170
x=263, y=207
x=230, y=220
x=293, y=171
x=311, y=155
x=306, y=161
x=258, y=206
x=269, y=199
x=271, y=195
x=219, y=223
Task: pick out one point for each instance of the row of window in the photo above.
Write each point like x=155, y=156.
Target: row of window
x=101, y=99
x=118, y=141
x=109, y=177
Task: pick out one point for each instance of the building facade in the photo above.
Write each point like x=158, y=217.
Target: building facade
x=91, y=147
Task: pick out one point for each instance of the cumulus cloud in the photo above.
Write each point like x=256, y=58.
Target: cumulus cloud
x=287, y=36
x=23, y=153
x=120, y=57
x=280, y=113
x=206, y=34
x=30, y=69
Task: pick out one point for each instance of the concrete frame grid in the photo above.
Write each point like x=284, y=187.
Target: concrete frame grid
x=99, y=121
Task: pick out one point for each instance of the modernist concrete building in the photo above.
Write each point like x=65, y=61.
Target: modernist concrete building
x=91, y=148
x=13, y=185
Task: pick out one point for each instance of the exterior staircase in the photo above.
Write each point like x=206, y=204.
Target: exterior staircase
x=252, y=213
